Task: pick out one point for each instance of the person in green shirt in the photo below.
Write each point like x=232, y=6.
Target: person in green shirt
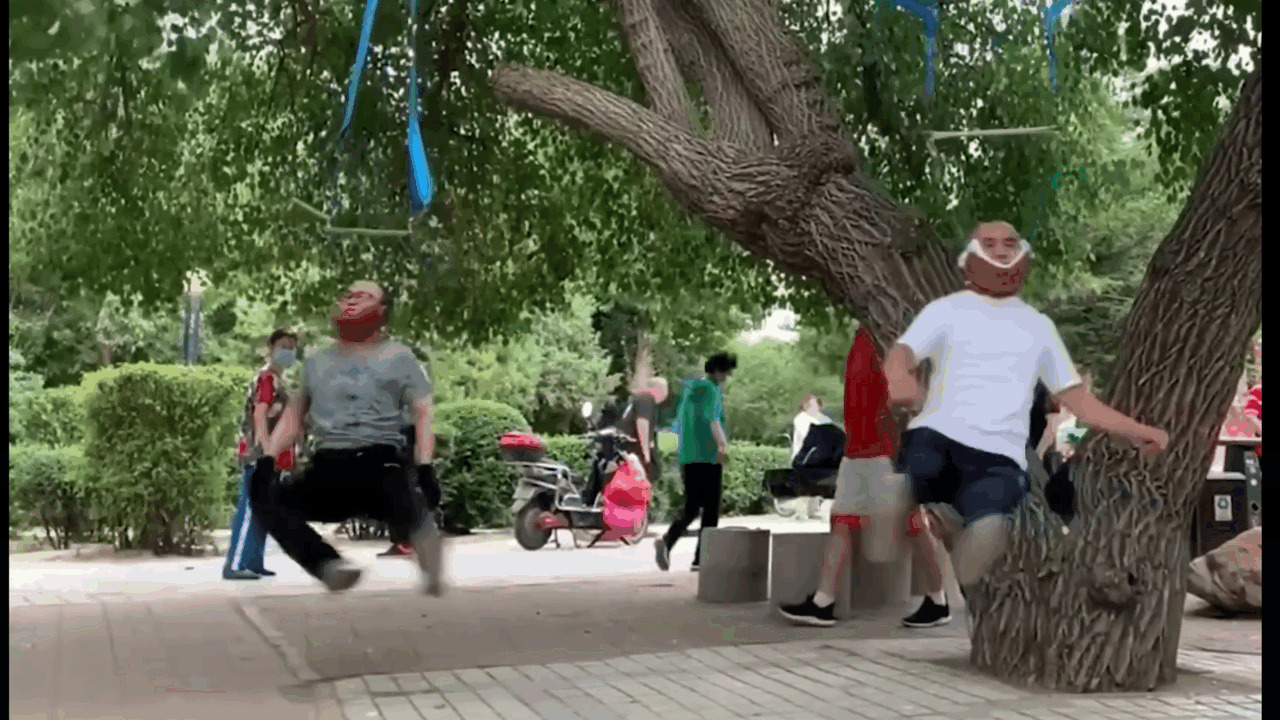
x=703, y=447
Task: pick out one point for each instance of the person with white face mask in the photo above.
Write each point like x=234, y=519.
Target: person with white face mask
x=964, y=455
x=264, y=403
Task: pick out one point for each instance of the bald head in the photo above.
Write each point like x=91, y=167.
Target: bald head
x=998, y=240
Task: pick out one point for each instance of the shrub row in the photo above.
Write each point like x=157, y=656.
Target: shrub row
x=143, y=456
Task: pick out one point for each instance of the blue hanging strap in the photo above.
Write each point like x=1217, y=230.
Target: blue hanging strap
x=421, y=185
x=1050, y=23
x=357, y=68
x=927, y=11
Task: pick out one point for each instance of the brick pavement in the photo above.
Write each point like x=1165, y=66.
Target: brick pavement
x=806, y=680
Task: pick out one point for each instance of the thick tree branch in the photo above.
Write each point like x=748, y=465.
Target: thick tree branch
x=732, y=187
x=655, y=62
x=771, y=64
x=735, y=117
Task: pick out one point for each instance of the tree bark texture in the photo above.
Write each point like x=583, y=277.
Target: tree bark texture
x=1100, y=607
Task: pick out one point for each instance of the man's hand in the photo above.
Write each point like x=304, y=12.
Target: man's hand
x=722, y=454
x=904, y=390
x=1149, y=440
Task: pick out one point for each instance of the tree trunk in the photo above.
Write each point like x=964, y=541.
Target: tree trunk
x=1099, y=608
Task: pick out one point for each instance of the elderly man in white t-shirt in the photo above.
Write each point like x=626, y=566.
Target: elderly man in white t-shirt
x=964, y=455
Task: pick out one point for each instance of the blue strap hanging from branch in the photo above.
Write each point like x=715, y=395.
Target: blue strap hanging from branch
x=1050, y=24
x=927, y=11
x=421, y=185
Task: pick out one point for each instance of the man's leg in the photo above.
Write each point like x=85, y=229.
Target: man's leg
x=926, y=554
x=410, y=513
x=712, y=487
x=692, y=506
x=852, y=498
x=324, y=496
x=234, y=567
x=992, y=488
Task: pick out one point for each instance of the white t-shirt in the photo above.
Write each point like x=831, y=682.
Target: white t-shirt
x=800, y=429
x=987, y=355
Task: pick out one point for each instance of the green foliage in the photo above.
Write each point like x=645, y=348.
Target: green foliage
x=570, y=450
x=47, y=488
x=21, y=384
x=54, y=416
x=763, y=395
x=157, y=448
x=475, y=484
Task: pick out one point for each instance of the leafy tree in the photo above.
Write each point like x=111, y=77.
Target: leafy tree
x=769, y=162
x=764, y=394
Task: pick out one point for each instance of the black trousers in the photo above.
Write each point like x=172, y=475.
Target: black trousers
x=370, y=482
x=703, y=486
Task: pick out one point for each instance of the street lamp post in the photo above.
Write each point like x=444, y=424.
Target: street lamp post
x=191, y=320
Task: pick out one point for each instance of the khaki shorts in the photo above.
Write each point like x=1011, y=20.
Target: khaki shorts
x=858, y=484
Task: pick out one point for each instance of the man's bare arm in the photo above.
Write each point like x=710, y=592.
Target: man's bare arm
x=642, y=429
x=1095, y=413
x=425, y=440
x=288, y=429
x=900, y=372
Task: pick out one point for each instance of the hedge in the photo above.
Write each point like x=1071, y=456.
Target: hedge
x=47, y=489
x=53, y=416
x=476, y=485
x=158, y=440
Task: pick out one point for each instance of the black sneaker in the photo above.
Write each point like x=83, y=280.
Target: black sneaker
x=808, y=613
x=930, y=614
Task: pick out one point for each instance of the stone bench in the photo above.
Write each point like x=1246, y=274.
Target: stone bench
x=734, y=565
x=796, y=566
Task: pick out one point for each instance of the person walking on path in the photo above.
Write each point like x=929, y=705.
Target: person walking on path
x=870, y=440
x=264, y=402
x=703, y=452
x=354, y=396
x=965, y=454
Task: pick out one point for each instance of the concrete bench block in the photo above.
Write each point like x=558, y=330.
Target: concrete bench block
x=796, y=567
x=734, y=565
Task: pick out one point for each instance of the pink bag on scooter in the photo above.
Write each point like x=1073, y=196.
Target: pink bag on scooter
x=625, y=502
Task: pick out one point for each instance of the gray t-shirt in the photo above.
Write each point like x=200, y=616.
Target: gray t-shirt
x=364, y=398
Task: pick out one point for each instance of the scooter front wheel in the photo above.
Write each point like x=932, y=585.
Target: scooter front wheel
x=528, y=534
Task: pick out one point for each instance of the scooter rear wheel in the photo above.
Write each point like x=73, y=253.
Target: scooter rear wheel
x=528, y=534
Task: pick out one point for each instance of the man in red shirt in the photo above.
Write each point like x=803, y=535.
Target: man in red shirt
x=871, y=440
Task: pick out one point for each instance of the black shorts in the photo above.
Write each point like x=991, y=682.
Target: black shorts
x=974, y=482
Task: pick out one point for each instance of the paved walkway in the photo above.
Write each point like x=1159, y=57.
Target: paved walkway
x=812, y=680
x=166, y=639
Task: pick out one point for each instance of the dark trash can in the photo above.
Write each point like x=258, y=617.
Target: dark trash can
x=1222, y=512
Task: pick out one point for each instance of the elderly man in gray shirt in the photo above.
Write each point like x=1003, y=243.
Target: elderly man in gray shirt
x=355, y=396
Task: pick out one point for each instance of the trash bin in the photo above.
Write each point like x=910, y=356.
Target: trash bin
x=1222, y=512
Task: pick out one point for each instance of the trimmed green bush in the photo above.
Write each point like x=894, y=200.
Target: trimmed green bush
x=157, y=446
x=47, y=489
x=21, y=384
x=53, y=416
x=570, y=450
x=475, y=484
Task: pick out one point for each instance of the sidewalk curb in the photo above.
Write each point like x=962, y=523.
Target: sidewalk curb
x=289, y=655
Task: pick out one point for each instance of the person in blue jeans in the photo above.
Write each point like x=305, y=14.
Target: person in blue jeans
x=264, y=402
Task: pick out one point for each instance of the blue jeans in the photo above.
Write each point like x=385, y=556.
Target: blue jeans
x=976, y=483
x=248, y=534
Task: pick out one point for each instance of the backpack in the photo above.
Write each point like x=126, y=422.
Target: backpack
x=823, y=447
x=625, y=502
